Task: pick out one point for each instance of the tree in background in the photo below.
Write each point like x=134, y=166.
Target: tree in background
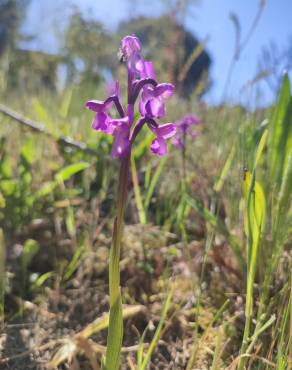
x=87, y=49
x=87, y=53
x=176, y=9
x=11, y=15
x=32, y=71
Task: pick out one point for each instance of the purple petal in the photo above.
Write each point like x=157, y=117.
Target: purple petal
x=164, y=90
x=147, y=94
x=139, y=63
x=158, y=146
x=121, y=144
x=116, y=122
x=177, y=141
x=148, y=70
x=189, y=120
x=166, y=131
x=135, y=63
x=153, y=99
x=155, y=108
x=98, y=105
x=113, y=89
x=102, y=122
x=99, y=122
x=142, y=108
x=130, y=45
x=193, y=119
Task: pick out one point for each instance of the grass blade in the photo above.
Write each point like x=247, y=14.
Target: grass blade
x=115, y=336
x=280, y=127
x=153, y=182
x=157, y=334
x=137, y=192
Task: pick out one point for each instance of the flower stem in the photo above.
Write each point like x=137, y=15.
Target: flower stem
x=115, y=330
x=114, y=276
x=184, y=173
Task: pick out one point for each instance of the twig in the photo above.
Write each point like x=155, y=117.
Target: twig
x=40, y=128
x=235, y=362
x=30, y=351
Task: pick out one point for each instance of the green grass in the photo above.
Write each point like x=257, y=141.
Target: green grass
x=221, y=206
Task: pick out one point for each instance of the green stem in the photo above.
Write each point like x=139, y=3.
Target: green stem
x=114, y=267
x=115, y=330
x=184, y=171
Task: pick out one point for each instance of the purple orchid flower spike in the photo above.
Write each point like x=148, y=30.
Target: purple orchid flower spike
x=142, y=86
x=184, y=128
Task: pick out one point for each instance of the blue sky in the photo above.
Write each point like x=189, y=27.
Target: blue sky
x=208, y=18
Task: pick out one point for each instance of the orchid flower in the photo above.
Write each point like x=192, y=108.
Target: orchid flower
x=142, y=86
x=184, y=128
